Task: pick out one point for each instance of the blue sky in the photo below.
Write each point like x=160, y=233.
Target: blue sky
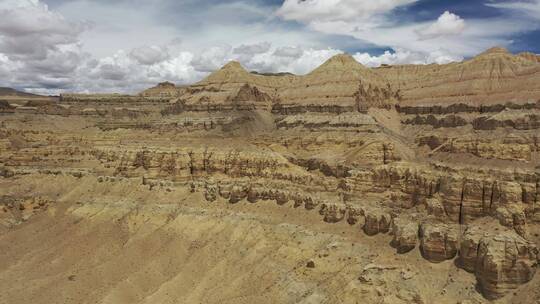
x=55, y=46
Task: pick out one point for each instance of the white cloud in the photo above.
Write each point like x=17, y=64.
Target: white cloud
x=31, y=17
x=373, y=22
x=262, y=57
x=123, y=73
x=149, y=55
x=131, y=47
x=447, y=24
x=212, y=58
x=7, y=67
x=29, y=28
x=303, y=61
x=252, y=49
x=178, y=69
x=245, y=52
x=38, y=47
x=319, y=11
x=530, y=8
x=288, y=51
x=402, y=56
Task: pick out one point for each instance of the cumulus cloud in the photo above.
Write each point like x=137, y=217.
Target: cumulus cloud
x=402, y=56
x=38, y=46
x=374, y=22
x=212, y=58
x=149, y=55
x=29, y=28
x=447, y=24
x=288, y=51
x=34, y=17
x=52, y=49
x=41, y=51
x=246, y=52
x=262, y=57
x=252, y=49
x=56, y=62
x=303, y=60
x=7, y=67
x=122, y=72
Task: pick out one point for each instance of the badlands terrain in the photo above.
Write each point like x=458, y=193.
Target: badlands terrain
x=398, y=184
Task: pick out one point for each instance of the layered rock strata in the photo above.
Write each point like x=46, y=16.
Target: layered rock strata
x=440, y=160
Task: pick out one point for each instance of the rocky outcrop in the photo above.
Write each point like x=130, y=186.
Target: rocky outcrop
x=376, y=221
x=162, y=91
x=530, y=56
x=347, y=87
x=15, y=211
x=500, y=261
x=513, y=216
x=468, y=248
x=444, y=158
x=449, y=121
x=247, y=93
x=318, y=122
x=187, y=163
x=448, y=194
x=504, y=262
x=405, y=234
x=340, y=85
x=457, y=108
x=117, y=98
x=515, y=120
x=5, y=107
x=232, y=88
x=333, y=213
x=495, y=76
x=439, y=242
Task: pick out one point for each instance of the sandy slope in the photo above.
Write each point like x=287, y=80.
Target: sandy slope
x=105, y=248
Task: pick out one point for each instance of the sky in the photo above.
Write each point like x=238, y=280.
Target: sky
x=88, y=46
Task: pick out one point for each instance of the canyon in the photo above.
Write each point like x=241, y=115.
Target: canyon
x=396, y=184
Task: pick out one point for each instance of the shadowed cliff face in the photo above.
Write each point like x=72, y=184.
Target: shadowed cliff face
x=398, y=184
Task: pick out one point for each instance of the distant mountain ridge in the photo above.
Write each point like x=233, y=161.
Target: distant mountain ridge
x=5, y=91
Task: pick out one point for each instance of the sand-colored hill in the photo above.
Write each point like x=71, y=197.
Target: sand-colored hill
x=342, y=83
x=4, y=92
x=495, y=76
x=234, y=87
x=530, y=56
x=20, y=98
x=234, y=73
x=164, y=90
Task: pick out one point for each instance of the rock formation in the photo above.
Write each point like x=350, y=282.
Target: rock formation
x=439, y=242
x=493, y=77
x=273, y=172
x=165, y=90
x=405, y=232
